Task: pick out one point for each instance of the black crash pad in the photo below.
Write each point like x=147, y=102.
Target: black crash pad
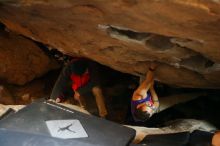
x=32, y=120
x=13, y=138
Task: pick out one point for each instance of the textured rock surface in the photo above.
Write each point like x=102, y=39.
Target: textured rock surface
x=179, y=125
x=183, y=36
x=32, y=91
x=21, y=59
x=39, y=88
x=5, y=96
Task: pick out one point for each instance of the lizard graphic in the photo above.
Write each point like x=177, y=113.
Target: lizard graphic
x=66, y=128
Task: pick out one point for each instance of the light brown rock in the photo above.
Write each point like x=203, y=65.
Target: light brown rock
x=183, y=36
x=176, y=126
x=21, y=59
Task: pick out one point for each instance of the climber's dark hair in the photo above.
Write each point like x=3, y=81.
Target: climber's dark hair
x=80, y=66
x=141, y=115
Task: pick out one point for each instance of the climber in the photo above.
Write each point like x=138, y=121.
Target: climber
x=78, y=77
x=145, y=101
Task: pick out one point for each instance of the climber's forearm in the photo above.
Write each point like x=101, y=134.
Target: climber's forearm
x=154, y=97
x=153, y=94
x=145, y=85
x=149, y=76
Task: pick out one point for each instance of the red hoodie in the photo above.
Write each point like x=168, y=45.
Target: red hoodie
x=79, y=80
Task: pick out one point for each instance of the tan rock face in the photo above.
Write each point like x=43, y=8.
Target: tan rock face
x=37, y=89
x=183, y=36
x=21, y=59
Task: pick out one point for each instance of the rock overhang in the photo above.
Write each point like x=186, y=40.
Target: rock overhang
x=126, y=35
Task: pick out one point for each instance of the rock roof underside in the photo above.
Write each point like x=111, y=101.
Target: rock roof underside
x=182, y=36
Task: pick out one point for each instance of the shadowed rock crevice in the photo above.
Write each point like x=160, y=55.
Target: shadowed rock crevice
x=159, y=42
x=120, y=33
x=151, y=40
x=53, y=53
x=197, y=63
x=2, y=26
x=181, y=56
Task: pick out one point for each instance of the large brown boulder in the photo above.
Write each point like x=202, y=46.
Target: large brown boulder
x=21, y=59
x=183, y=36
